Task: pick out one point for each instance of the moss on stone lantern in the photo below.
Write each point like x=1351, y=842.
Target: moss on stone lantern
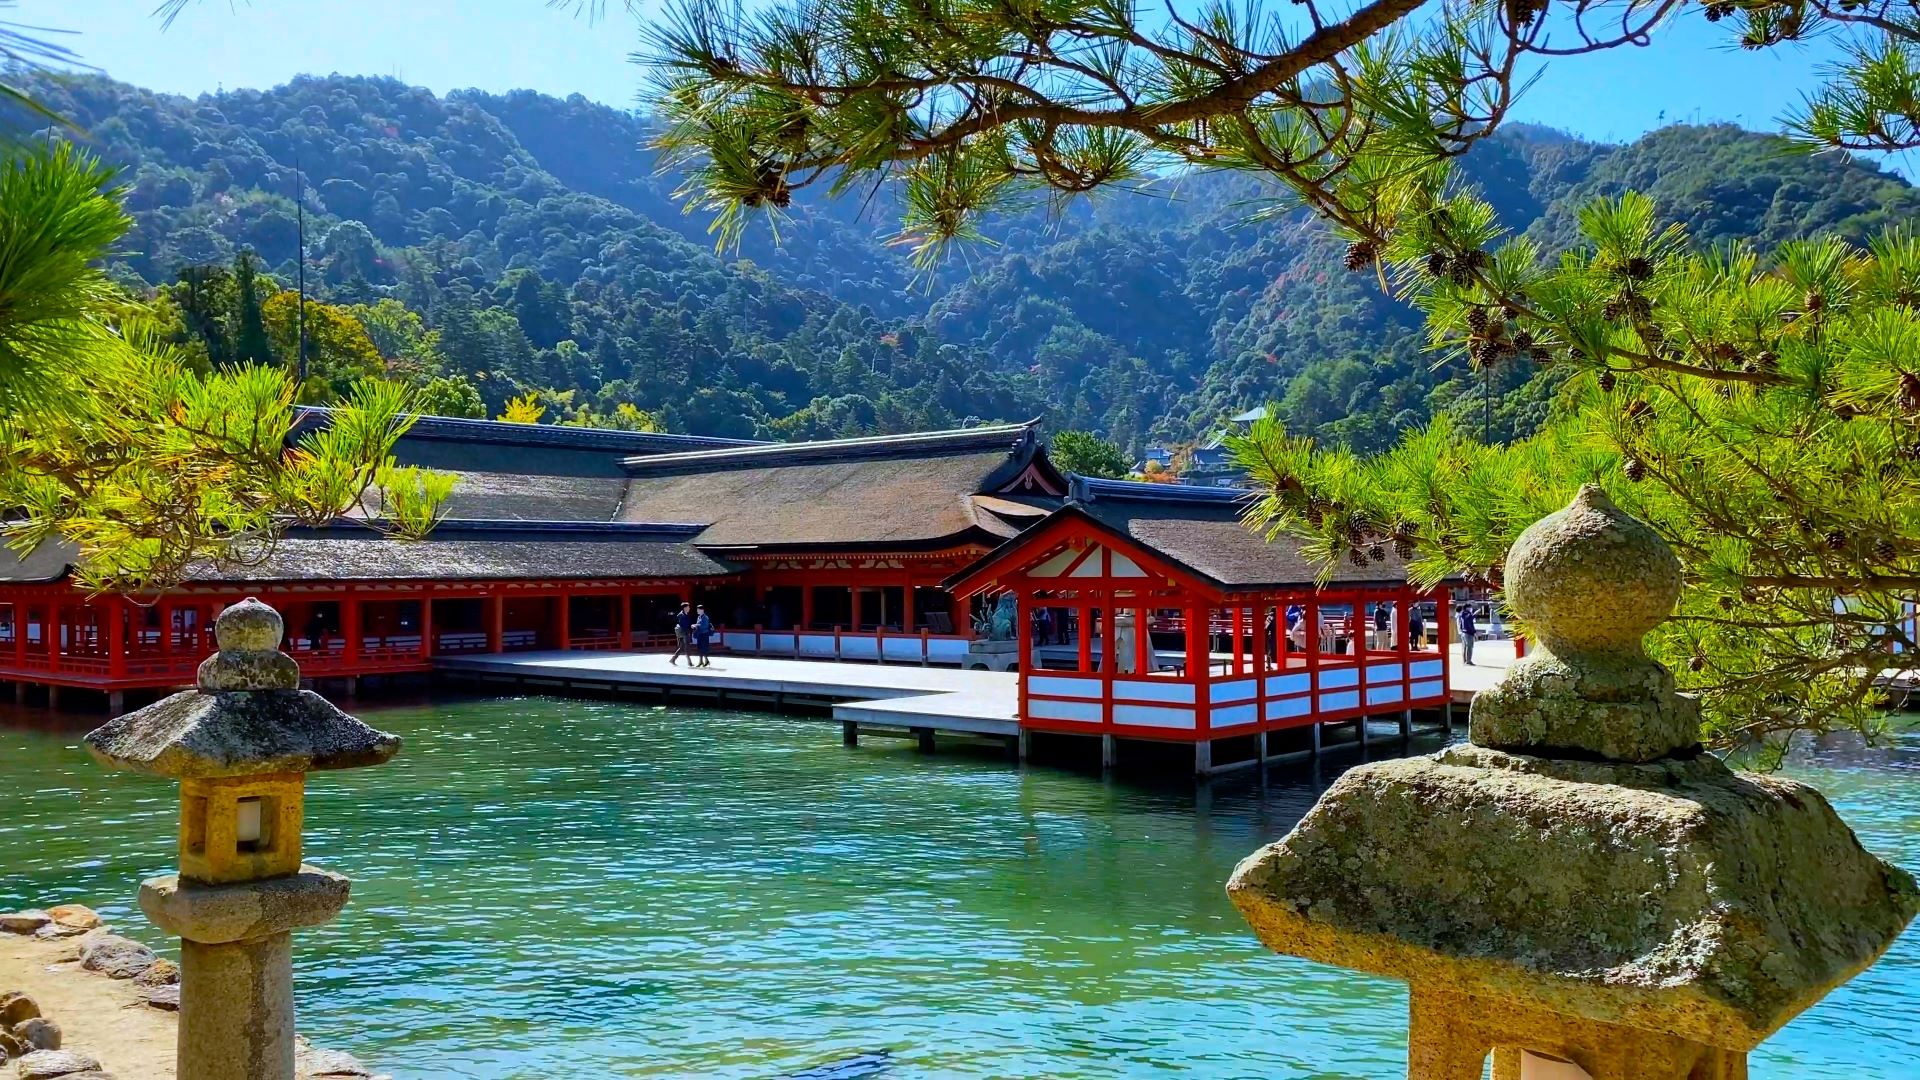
x=241, y=746
x=1581, y=889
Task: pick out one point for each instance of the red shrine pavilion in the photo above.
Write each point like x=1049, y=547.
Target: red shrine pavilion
x=572, y=538
x=1182, y=625
x=1144, y=611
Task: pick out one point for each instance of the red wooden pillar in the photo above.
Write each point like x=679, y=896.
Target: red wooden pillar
x=625, y=600
x=806, y=607
x=562, y=621
x=114, y=610
x=1109, y=656
x=1200, y=664
x=426, y=626
x=57, y=624
x=496, y=622
x=1260, y=670
x=20, y=613
x=1143, y=654
x=1024, y=662
x=1310, y=615
x=1403, y=642
x=1083, y=638
x=350, y=629
x=906, y=606
x=1239, y=628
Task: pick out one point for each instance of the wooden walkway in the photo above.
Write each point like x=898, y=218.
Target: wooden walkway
x=934, y=699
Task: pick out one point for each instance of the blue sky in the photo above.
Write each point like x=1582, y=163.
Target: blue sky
x=1688, y=75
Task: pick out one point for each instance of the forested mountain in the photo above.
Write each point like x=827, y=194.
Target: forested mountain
x=493, y=246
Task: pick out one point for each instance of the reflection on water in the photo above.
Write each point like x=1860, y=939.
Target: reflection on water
x=548, y=888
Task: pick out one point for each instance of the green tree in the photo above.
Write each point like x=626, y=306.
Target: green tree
x=111, y=441
x=451, y=395
x=1089, y=455
x=250, y=341
x=340, y=355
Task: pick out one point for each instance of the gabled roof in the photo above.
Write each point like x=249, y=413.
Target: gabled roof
x=1195, y=529
x=894, y=491
x=533, y=472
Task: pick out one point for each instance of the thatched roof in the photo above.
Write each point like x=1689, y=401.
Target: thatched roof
x=455, y=551
x=528, y=472
x=887, y=492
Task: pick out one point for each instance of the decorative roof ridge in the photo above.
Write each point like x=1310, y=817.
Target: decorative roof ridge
x=450, y=528
x=500, y=432
x=1013, y=438
x=1093, y=489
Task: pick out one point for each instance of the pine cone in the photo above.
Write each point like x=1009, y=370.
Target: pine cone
x=1814, y=302
x=1477, y=319
x=1357, y=557
x=1696, y=662
x=1540, y=355
x=1613, y=310
x=1836, y=541
x=1639, y=268
x=1635, y=469
x=1486, y=353
x=1437, y=264
x=1359, y=255
x=1638, y=409
x=1606, y=381
x=1885, y=550
x=1377, y=553
x=1909, y=391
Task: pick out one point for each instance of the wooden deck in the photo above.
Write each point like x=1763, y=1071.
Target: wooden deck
x=936, y=699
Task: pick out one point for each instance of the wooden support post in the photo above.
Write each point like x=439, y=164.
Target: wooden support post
x=806, y=607
x=906, y=607
x=563, y=621
x=1446, y=714
x=53, y=696
x=350, y=629
x=55, y=630
x=924, y=737
x=1406, y=725
x=115, y=611
x=1023, y=744
x=116, y=703
x=849, y=733
x=1109, y=752
x=1260, y=748
x=1360, y=725
x=1315, y=729
x=625, y=600
x=1203, y=758
x=496, y=623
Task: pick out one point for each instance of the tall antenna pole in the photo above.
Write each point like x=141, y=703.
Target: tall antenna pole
x=300, y=271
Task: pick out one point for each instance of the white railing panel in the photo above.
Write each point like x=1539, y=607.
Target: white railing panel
x=1297, y=683
x=1346, y=699
x=1153, y=716
x=1335, y=677
x=1430, y=689
x=1179, y=693
x=1064, y=686
x=1226, y=716
x=1427, y=669
x=1044, y=709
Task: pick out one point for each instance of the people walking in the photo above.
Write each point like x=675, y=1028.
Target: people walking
x=1382, y=625
x=703, y=636
x=683, y=634
x=1469, y=632
x=1416, y=628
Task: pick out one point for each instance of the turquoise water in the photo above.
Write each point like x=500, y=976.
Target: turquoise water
x=546, y=888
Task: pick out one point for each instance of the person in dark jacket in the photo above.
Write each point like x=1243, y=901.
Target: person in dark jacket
x=703, y=636
x=1469, y=632
x=682, y=635
x=1416, y=628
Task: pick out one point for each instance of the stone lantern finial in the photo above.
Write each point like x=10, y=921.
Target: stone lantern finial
x=1580, y=889
x=248, y=634
x=1591, y=581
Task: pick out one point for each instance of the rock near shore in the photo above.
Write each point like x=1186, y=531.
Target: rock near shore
x=59, y=1065
x=116, y=957
x=23, y=922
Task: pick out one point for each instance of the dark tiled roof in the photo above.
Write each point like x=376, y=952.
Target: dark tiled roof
x=455, y=550
x=892, y=491
x=533, y=472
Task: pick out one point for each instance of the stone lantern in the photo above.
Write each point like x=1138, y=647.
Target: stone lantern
x=241, y=746
x=1581, y=891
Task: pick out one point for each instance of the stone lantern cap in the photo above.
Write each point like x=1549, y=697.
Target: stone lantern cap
x=248, y=716
x=1582, y=855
